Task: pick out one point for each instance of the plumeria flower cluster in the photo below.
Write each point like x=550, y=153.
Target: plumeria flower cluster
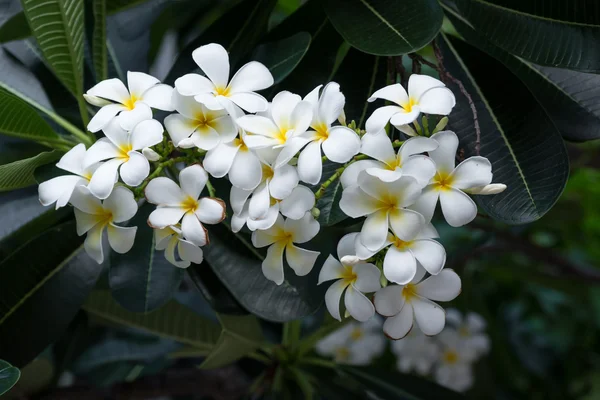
x=448, y=357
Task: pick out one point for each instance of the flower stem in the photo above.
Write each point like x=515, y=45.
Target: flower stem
x=140, y=189
x=320, y=362
x=211, y=189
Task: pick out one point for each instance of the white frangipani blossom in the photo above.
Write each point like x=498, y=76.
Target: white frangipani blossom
x=216, y=91
x=449, y=183
x=416, y=352
x=492, y=188
x=121, y=149
x=93, y=217
x=471, y=330
x=454, y=369
x=282, y=236
x=391, y=165
x=183, y=203
x=170, y=239
x=404, y=304
x=339, y=143
x=198, y=126
x=425, y=95
x=383, y=202
x=288, y=117
x=61, y=188
x=132, y=104
x=354, y=343
x=353, y=278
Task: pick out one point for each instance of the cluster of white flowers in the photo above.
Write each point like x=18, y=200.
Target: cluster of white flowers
x=449, y=357
x=272, y=152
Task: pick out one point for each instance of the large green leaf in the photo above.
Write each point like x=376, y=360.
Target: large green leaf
x=250, y=19
x=283, y=56
x=570, y=98
x=19, y=174
x=172, y=321
x=9, y=375
x=42, y=287
x=99, y=50
x=58, y=27
x=214, y=292
x=329, y=203
x=239, y=336
x=19, y=119
x=142, y=280
x=388, y=385
x=550, y=39
x=384, y=27
x=525, y=148
x=15, y=28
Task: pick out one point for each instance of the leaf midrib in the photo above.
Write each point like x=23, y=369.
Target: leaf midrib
x=385, y=21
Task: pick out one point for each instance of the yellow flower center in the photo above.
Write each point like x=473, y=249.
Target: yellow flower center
x=409, y=291
x=401, y=244
x=349, y=276
x=282, y=135
x=87, y=175
x=322, y=131
x=408, y=106
x=190, y=204
x=124, y=149
x=464, y=331
x=356, y=334
x=267, y=172
x=286, y=237
x=390, y=202
x=342, y=353
x=104, y=216
x=222, y=91
x=130, y=102
x=450, y=357
x=443, y=181
x=240, y=142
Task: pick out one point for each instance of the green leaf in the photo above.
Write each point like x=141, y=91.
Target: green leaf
x=99, y=49
x=391, y=385
x=18, y=119
x=37, y=281
x=9, y=375
x=526, y=150
x=250, y=19
x=329, y=203
x=57, y=26
x=142, y=280
x=240, y=335
x=172, y=321
x=15, y=28
x=114, y=6
x=569, y=98
x=212, y=289
x=383, y=27
x=19, y=174
x=553, y=41
x=283, y=56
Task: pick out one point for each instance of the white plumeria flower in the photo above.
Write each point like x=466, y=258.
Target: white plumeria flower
x=383, y=202
x=449, y=183
x=215, y=90
x=471, y=330
x=282, y=236
x=198, y=126
x=94, y=217
x=354, y=343
x=416, y=352
x=61, y=188
x=133, y=104
x=171, y=238
x=404, y=304
x=288, y=117
x=425, y=95
x=183, y=203
x=353, y=278
x=454, y=368
x=295, y=206
x=121, y=149
x=339, y=143
x=391, y=165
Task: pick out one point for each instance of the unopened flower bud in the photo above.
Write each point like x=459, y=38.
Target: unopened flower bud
x=315, y=212
x=493, y=188
x=350, y=260
x=150, y=154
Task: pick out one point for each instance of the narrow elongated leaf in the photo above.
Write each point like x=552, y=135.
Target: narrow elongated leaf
x=384, y=27
x=38, y=282
x=19, y=174
x=526, y=150
x=571, y=98
x=539, y=39
x=239, y=336
x=172, y=321
x=142, y=280
x=329, y=203
x=19, y=119
x=283, y=56
x=9, y=375
x=391, y=385
x=100, y=54
x=15, y=28
x=579, y=11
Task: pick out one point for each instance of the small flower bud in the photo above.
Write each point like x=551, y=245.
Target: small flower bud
x=493, y=188
x=441, y=125
x=407, y=130
x=342, y=118
x=315, y=212
x=350, y=260
x=150, y=154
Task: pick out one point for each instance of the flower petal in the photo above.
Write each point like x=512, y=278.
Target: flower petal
x=416, y=145
x=246, y=170
x=111, y=89
x=265, y=222
x=422, y=168
x=331, y=104
x=283, y=182
x=341, y=145
x=135, y=170
x=104, y=178
x=193, y=84
x=170, y=253
x=350, y=175
x=458, y=208
x=192, y=180
x=300, y=260
x=237, y=199
x=73, y=160
x=121, y=204
x=260, y=201
x=190, y=252
x=345, y=246
x=445, y=286
x=139, y=82
x=121, y=238
x=85, y=201
x=272, y=265
x=93, y=243
x=310, y=165
x=430, y=317
x=214, y=62
x=165, y=216
x=399, y=266
x=404, y=118
x=146, y=134
x=59, y=190
x=399, y=326
x=179, y=127
x=84, y=221
x=389, y=301
x=219, y=160
x=298, y=203
x=250, y=101
x=430, y=254
x=357, y=305
x=385, y=175
x=445, y=154
x=425, y=204
x=164, y=191
x=193, y=230
x=282, y=106
x=251, y=77
x=159, y=97
x=332, y=269
x=406, y=224
x=438, y=101
x=367, y=278
x=394, y=93
x=301, y=117
x=420, y=84
x=210, y=210
x=472, y=172
x=302, y=230
x=258, y=125
x=378, y=120
x=374, y=231
x=292, y=146
x=130, y=118
x=103, y=149
x=333, y=297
